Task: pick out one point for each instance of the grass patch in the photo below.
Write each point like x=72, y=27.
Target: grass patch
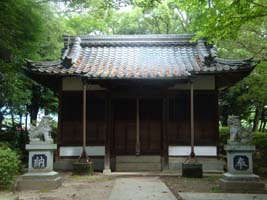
x=216, y=189
x=44, y=191
x=91, y=178
x=212, y=178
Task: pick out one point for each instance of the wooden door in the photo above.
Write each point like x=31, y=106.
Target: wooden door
x=124, y=126
x=150, y=112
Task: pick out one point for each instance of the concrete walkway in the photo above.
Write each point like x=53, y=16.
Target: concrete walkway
x=137, y=188
x=221, y=196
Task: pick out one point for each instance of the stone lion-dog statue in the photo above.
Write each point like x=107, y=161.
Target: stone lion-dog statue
x=238, y=134
x=42, y=132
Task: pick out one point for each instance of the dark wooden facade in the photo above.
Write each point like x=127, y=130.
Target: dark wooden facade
x=164, y=119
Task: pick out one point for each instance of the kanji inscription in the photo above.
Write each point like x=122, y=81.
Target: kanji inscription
x=39, y=161
x=241, y=162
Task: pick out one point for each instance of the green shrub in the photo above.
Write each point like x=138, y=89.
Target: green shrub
x=223, y=137
x=260, y=140
x=16, y=140
x=9, y=166
x=260, y=157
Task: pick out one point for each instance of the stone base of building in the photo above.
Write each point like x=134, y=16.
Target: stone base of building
x=209, y=164
x=239, y=183
x=39, y=181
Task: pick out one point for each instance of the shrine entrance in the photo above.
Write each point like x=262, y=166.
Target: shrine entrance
x=137, y=126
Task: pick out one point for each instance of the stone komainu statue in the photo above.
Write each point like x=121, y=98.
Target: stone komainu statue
x=238, y=134
x=42, y=132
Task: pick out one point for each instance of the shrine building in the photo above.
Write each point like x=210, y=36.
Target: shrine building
x=138, y=102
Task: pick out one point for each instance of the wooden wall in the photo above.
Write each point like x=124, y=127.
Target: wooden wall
x=206, y=119
x=72, y=119
x=151, y=120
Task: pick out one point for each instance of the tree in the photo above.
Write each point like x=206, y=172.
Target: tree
x=28, y=30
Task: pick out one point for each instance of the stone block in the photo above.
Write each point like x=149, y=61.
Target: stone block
x=239, y=159
x=192, y=170
x=41, y=157
x=241, y=177
x=242, y=186
x=80, y=168
x=39, y=181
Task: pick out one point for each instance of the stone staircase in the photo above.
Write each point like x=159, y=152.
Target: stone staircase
x=138, y=163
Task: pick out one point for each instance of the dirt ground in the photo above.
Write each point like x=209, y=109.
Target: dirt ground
x=74, y=187
x=98, y=187
x=181, y=184
x=209, y=184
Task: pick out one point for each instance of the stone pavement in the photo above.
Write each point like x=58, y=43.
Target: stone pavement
x=137, y=188
x=8, y=196
x=221, y=196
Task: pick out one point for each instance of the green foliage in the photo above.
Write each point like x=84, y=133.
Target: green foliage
x=9, y=166
x=260, y=140
x=16, y=140
x=144, y=17
x=31, y=30
x=260, y=157
x=224, y=135
x=246, y=96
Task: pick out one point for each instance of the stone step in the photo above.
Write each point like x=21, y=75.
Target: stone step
x=137, y=167
x=212, y=165
x=138, y=159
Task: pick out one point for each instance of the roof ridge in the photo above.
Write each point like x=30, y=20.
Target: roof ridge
x=184, y=38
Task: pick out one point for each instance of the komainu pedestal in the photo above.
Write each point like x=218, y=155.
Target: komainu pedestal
x=41, y=149
x=240, y=177
x=40, y=172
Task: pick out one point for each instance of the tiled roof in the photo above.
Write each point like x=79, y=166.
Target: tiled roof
x=136, y=56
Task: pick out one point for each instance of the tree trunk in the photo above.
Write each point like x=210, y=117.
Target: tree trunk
x=263, y=121
x=256, y=120
x=224, y=121
x=33, y=115
x=264, y=126
x=26, y=122
x=33, y=108
x=1, y=120
x=12, y=118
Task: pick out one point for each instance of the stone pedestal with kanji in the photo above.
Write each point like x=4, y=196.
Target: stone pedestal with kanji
x=40, y=168
x=240, y=177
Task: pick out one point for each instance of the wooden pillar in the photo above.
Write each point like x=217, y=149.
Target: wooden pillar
x=84, y=116
x=59, y=130
x=137, y=146
x=192, y=154
x=108, y=135
x=84, y=155
x=164, y=133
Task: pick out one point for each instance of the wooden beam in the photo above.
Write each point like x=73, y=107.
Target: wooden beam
x=192, y=119
x=137, y=146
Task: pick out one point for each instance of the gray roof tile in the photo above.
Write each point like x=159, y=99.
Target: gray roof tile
x=137, y=56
